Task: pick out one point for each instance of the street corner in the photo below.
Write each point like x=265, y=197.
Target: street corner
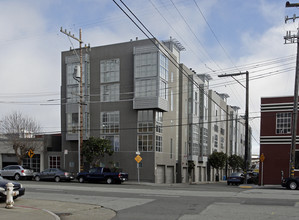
x=26, y=212
x=66, y=210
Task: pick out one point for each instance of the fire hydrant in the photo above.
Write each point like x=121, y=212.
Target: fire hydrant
x=9, y=195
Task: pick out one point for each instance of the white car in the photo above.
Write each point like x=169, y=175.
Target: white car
x=17, y=172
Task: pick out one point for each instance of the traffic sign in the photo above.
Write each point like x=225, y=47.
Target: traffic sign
x=138, y=158
x=30, y=153
x=262, y=158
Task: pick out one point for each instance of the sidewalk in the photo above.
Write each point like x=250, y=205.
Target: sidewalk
x=54, y=210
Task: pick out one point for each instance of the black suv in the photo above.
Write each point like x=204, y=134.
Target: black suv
x=290, y=183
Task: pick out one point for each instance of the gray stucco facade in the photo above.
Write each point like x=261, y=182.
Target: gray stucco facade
x=160, y=140
x=139, y=96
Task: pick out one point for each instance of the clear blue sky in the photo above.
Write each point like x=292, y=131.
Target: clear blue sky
x=219, y=37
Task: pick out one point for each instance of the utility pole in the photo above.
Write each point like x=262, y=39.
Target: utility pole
x=80, y=141
x=290, y=39
x=246, y=118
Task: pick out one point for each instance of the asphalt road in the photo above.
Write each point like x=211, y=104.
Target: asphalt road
x=176, y=201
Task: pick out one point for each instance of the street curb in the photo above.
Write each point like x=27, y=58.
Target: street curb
x=45, y=210
x=52, y=213
x=246, y=187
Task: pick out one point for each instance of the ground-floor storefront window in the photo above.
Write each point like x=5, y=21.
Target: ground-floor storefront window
x=33, y=163
x=54, y=161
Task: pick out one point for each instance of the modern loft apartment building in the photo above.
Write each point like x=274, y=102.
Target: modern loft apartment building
x=137, y=95
x=130, y=95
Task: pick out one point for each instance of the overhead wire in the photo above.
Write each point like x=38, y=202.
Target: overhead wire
x=173, y=60
x=158, y=41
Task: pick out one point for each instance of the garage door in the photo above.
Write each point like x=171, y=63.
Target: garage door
x=169, y=175
x=160, y=174
x=9, y=159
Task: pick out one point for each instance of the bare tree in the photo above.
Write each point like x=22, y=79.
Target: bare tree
x=20, y=131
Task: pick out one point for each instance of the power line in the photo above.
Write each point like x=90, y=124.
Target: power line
x=173, y=61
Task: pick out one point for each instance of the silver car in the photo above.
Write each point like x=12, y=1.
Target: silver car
x=17, y=172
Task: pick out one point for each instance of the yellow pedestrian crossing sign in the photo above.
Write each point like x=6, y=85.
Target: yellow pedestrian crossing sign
x=138, y=158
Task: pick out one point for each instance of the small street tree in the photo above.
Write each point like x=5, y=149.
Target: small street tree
x=19, y=132
x=217, y=160
x=235, y=162
x=95, y=148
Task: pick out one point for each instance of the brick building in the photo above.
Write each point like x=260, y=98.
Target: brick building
x=275, y=138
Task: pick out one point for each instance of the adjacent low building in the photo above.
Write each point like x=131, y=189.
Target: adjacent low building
x=45, y=152
x=276, y=137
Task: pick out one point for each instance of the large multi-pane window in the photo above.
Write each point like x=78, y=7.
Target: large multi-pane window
x=163, y=67
x=72, y=123
x=163, y=73
x=109, y=73
x=33, y=163
x=114, y=141
x=110, y=92
x=159, y=130
x=145, y=121
x=159, y=121
x=283, y=123
x=146, y=88
x=54, y=162
x=148, y=137
x=110, y=122
x=110, y=70
x=110, y=128
x=146, y=64
x=145, y=130
x=163, y=89
x=158, y=143
x=145, y=142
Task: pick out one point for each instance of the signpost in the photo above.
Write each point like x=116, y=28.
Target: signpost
x=138, y=159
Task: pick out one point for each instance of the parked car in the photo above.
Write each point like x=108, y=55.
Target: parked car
x=253, y=178
x=17, y=172
x=236, y=178
x=55, y=174
x=17, y=187
x=290, y=183
x=101, y=174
